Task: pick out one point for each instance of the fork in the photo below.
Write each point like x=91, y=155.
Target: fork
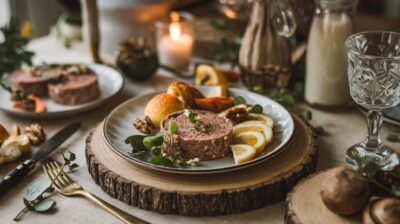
x=67, y=187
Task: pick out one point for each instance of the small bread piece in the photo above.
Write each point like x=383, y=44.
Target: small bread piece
x=185, y=93
x=14, y=148
x=3, y=134
x=161, y=106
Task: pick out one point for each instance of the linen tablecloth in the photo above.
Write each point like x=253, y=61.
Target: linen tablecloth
x=342, y=129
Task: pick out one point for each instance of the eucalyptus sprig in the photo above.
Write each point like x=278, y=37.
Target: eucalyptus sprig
x=37, y=198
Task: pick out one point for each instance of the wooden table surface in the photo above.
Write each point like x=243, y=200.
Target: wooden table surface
x=342, y=130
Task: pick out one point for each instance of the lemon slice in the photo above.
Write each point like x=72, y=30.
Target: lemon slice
x=218, y=91
x=255, y=139
x=209, y=76
x=243, y=153
x=262, y=117
x=259, y=126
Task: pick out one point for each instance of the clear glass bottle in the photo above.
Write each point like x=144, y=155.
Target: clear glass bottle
x=326, y=66
x=265, y=57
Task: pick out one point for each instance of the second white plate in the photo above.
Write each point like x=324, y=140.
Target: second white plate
x=110, y=83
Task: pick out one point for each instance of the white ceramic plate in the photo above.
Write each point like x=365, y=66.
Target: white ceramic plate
x=118, y=126
x=110, y=83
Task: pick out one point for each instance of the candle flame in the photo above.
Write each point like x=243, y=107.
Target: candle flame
x=175, y=27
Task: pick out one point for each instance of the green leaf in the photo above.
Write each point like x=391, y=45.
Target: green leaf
x=36, y=189
x=173, y=127
x=238, y=100
x=307, y=115
x=151, y=141
x=160, y=160
x=156, y=150
x=396, y=171
x=136, y=141
x=287, y=101
x=355, y=155
x=319, y=130
x=370, y=168
x=257, y=109
x=44, y=205
x=72, y=156
x=197, y=124
x=73, y=166
x=192, y=117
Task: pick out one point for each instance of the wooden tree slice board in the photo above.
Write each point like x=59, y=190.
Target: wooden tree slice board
x=304, y=205
x=203, y=195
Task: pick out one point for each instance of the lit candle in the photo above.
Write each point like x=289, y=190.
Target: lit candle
x=175, y=48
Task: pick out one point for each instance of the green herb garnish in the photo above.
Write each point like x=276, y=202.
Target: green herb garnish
x=257, y=109
x=150, y=141
x=307, y=115
x=173, y=127
x=37, y=197
x=238, y=100
x=136, y=141
x=319, y=130
x=192, y=117
x=161, y=160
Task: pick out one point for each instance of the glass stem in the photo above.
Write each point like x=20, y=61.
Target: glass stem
x=374, y=122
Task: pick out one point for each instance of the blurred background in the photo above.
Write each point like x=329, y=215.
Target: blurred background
x=118, y=18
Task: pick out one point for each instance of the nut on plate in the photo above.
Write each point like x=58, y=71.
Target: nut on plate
x=35, y=134
x=144, y=125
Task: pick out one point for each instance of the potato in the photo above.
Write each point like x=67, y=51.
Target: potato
x=344, y=191
x=382, y=210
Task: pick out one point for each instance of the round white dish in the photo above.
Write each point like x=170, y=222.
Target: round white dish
x=110, y=84
x=118, y=126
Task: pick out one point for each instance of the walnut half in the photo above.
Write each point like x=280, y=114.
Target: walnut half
x=144, y=125
x=35, y=134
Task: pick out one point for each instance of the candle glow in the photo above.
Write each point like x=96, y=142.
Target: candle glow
x=175, y=27
x=175, y=47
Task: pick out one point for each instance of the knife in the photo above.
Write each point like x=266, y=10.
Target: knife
x=10, y=179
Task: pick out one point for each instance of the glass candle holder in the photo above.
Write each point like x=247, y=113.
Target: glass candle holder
x=175, y=40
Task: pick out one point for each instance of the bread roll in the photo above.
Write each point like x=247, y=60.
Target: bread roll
x=161, y=106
